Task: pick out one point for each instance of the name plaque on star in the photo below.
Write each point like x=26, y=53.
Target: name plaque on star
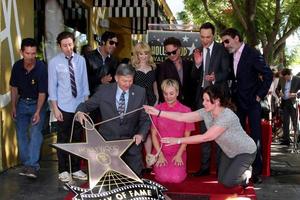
x=189, y=41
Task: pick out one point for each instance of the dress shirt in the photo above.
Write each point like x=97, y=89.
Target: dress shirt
x=59, y=85
x=236, y=57
x=118, y=94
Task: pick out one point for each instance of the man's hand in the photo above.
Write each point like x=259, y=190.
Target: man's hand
x=36, y=118
x=138, y=139
x=198, y=57
x=81, y=117
x=14, y=113
x=58, y=115
x=106, y=79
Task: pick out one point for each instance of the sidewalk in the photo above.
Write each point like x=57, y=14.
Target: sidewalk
x=284, y=182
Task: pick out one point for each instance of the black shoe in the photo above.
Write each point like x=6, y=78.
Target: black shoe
x=256, y=179
x=32, y=173
x=23, y=171
x=285, y=142
x=201, y=172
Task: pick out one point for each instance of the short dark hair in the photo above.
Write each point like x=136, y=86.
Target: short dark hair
x=208, y=25
x=108, y=35
x=28, y=42
x=172, y=40
x=64, y=35
x=286, y=71
x=232, y=32
x=125, y=70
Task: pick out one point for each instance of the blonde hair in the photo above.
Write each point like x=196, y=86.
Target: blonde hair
x=139, y=48
x=170, y=83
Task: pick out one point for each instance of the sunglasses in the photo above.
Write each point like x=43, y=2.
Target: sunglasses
x=226, y=41
x=172, y=52
x=110, y=42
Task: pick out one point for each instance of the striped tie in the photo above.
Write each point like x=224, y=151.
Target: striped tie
x=72, y=77
x=121, y=105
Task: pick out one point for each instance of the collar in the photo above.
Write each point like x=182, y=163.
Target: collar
x=98, y=49
x=239, y=51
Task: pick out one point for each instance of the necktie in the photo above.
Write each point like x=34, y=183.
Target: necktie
x=72, y=77
x=121, y=105
x=207, y=61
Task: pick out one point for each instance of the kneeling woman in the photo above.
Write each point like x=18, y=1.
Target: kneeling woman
x=223, y=125
x=171, y=164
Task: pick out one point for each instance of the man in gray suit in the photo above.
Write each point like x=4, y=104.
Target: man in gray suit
x=117, y=99
x=212, y=66
x=287, y=89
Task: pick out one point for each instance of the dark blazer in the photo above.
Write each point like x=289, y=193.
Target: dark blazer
x=248, y=84
x=96, y=69
x=220, y=64
x=132, y=124
x=167, y=70
x=295, y=87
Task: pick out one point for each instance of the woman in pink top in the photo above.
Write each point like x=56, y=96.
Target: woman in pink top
x=171, y=163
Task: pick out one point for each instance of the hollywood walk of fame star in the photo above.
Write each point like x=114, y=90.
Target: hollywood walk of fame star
x=102, y=155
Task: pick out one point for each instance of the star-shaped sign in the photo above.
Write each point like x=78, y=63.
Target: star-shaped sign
x=191, y=49
x=102, y=155
x=185, y=38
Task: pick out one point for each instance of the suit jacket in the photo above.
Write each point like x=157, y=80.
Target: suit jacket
x=96, y=69
x=219, y=64
x=247, y=84
x=132, y=124
x=295, y=87
x=167, y=70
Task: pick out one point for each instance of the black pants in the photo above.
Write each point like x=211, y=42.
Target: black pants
x=289, y=113
x=63, y=136
x=254, y=120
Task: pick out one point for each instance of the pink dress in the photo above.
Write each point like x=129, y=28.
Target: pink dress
x=168, y=128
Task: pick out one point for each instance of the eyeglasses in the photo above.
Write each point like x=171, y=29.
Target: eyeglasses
x=172, y=52
x=226, y=41
x=111, y=42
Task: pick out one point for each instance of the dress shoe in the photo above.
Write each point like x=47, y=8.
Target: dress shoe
x=201, y=172
x=256, y=179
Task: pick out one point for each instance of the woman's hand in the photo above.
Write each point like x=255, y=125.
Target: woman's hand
x=170, y=141
x=177, y=160
x=161, y=161
x=151, y=110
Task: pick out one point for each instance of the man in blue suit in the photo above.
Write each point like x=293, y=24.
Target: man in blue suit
x=251, y=80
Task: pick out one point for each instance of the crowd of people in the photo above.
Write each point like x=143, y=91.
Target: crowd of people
x=219, y=89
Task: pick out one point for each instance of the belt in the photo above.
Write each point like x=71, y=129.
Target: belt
x=28, y=99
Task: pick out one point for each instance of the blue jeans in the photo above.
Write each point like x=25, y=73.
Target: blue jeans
x=29, y=136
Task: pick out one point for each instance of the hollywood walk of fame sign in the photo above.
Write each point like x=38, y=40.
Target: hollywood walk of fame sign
x=189, y=42
x=110, y=178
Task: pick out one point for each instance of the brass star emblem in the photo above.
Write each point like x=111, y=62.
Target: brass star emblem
x=102, y=155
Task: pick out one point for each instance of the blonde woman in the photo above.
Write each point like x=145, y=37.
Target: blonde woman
x=145, y=77
x=171, y=164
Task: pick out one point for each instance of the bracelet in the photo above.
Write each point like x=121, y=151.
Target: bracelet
x=159, y=113
x=178, y=141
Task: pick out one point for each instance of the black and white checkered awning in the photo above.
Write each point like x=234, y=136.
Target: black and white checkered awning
x=139, y=25
x=119, y=3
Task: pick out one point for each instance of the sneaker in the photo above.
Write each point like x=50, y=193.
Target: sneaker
x=64, y=176
x=80, y=175
x=23, y=171
x=32, y=173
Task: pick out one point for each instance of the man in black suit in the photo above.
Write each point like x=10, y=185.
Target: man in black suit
x=116, y=99
x=101, y=64
x=251, y=80
x=287, y=89
x=177, y=68
x=212, y=66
